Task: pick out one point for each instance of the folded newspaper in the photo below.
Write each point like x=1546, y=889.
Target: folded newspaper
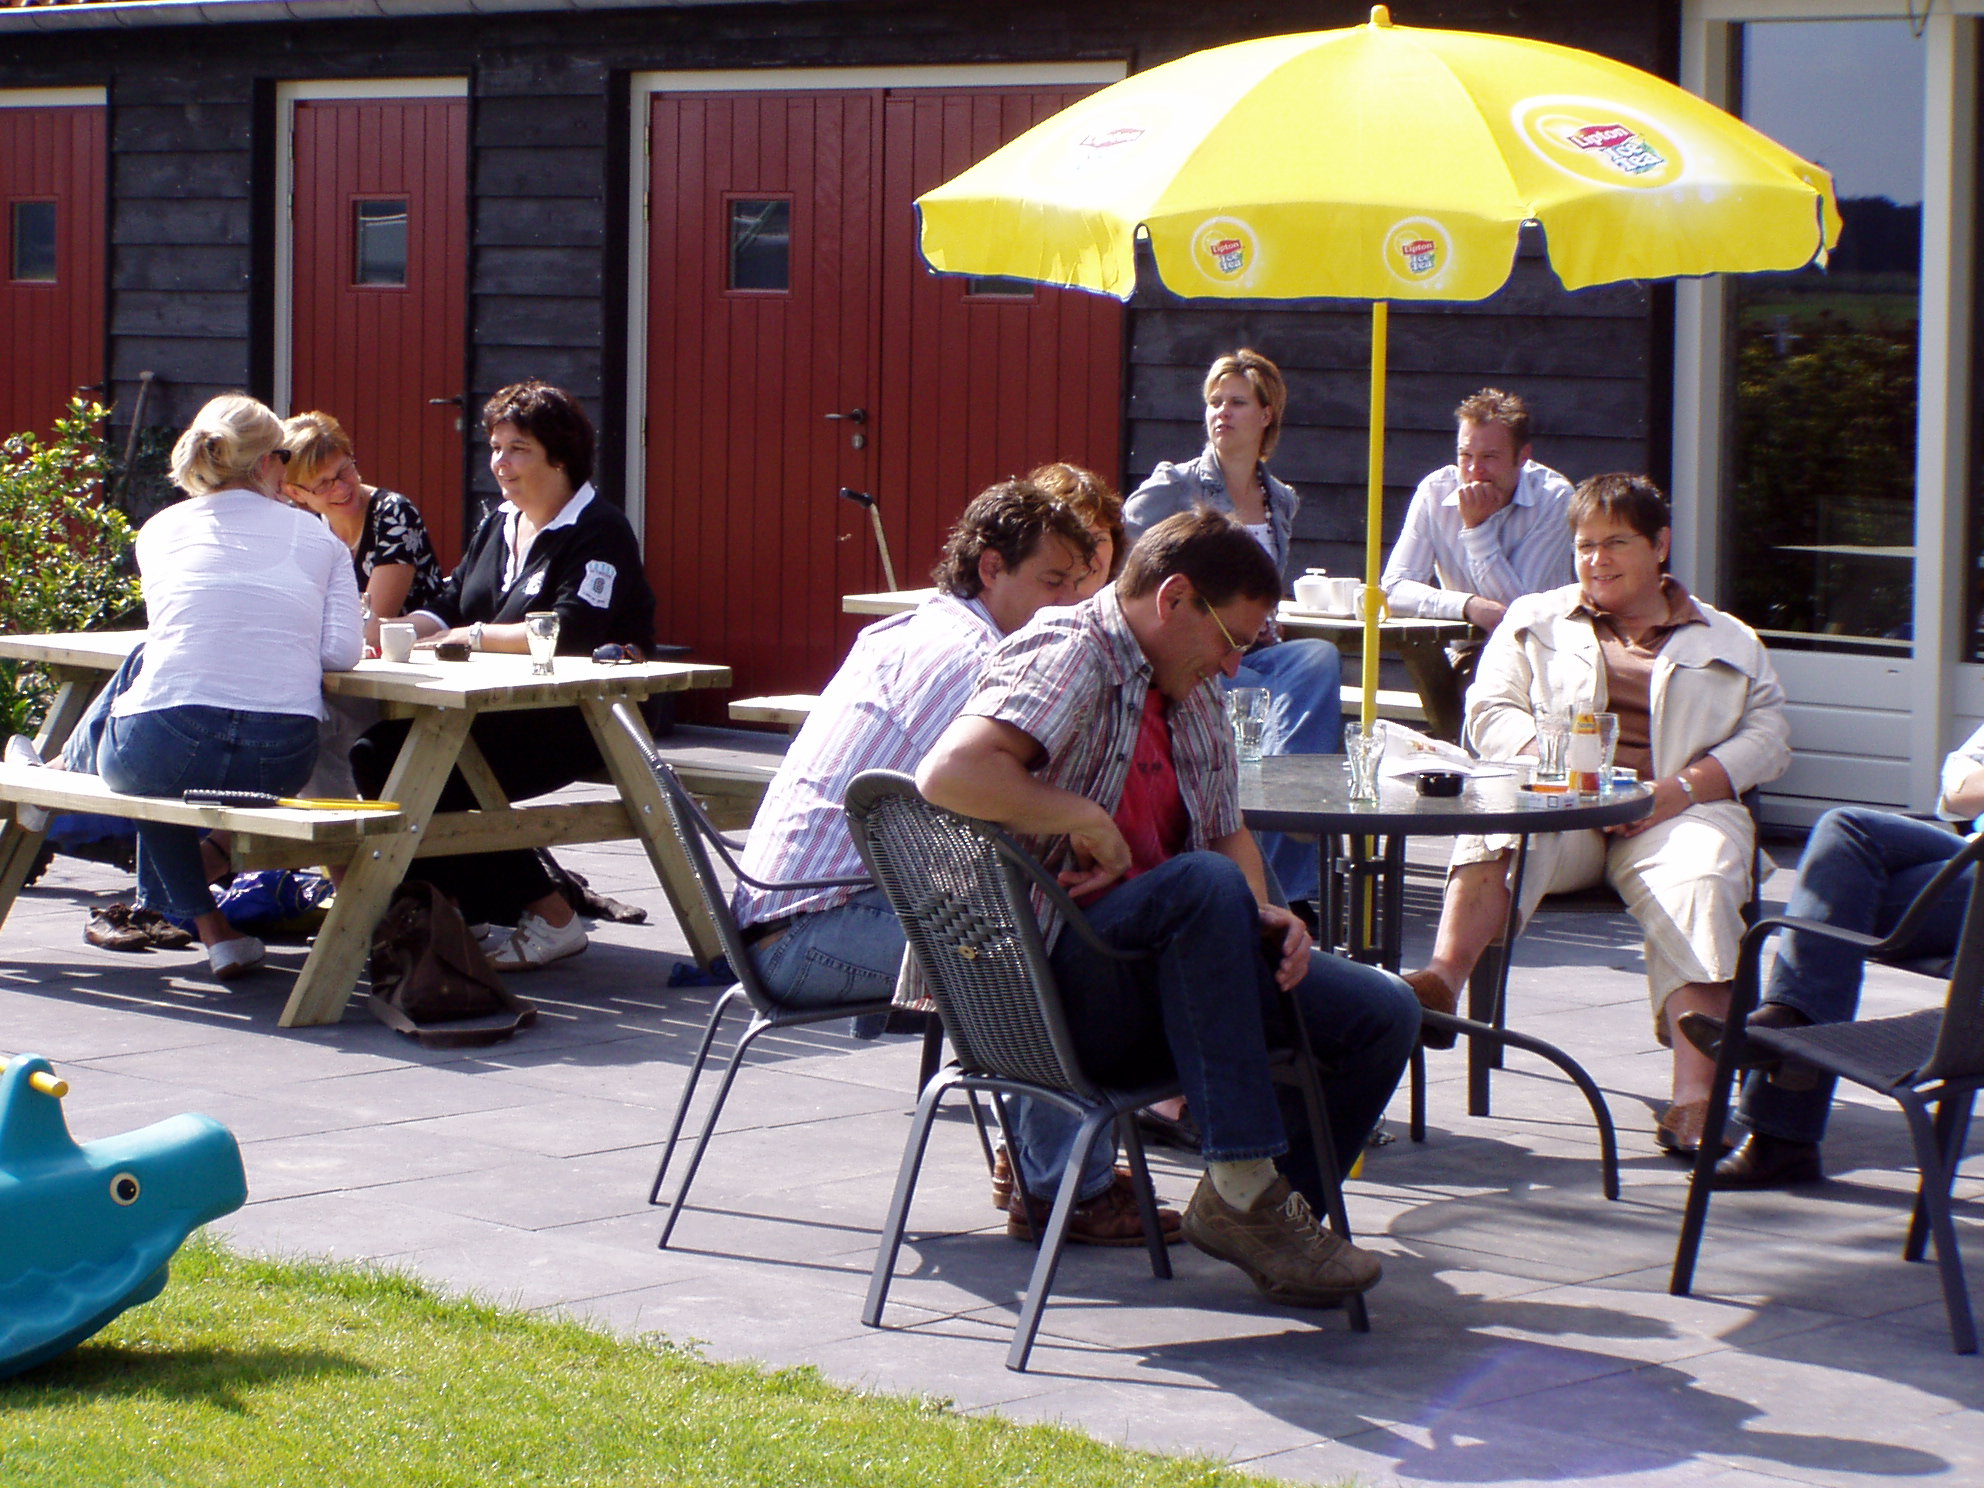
x=1408, y=751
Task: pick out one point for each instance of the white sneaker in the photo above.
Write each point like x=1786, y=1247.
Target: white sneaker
x=21, y=751
x=537, y=942
x=236, y=957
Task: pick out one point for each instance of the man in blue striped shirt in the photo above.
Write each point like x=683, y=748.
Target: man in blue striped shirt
x=1020, y=546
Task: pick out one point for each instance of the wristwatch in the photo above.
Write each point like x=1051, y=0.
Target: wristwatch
x=475, y=640
x=1687, y=786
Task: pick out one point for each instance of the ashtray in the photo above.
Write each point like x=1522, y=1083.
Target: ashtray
x=1441, y=782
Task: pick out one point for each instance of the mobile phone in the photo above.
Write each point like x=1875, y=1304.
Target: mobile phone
x=452, y=651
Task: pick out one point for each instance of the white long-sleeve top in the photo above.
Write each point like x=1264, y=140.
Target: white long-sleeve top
x=1525, y=548
x=250, y=602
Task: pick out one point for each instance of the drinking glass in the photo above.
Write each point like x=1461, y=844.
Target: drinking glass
x=1365, y=752
x=1608, y=745
x=1553, y=730
x=1247, y=711
x=541, y=631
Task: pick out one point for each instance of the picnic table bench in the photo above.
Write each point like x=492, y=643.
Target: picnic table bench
x=442, y=700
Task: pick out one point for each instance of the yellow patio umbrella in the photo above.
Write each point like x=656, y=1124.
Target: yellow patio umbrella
x=1385, y=163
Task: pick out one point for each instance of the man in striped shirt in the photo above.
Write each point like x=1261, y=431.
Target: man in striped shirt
x=1019, y=546
x=1098, y=734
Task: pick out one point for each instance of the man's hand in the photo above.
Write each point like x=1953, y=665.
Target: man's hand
x=1483, y=612
x=1479, y=500
x=1285, y=927
x=1101, y=857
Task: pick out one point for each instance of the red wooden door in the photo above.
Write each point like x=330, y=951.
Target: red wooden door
x=785, y=295
x=379, y=293
x=52, y=182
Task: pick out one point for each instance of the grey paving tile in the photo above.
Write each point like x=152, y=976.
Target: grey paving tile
x=351, y=1227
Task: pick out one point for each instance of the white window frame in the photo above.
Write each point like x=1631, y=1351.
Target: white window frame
x=288, y=95
x=769, y=80
x=1939, y=689
x=53, y=97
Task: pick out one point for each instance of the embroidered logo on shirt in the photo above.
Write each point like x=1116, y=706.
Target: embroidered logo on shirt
x=596, y=588
x=534, y=583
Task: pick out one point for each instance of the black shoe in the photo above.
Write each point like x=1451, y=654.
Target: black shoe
x=1768, y=1162
x=1181, y=1135
x=1705, y=1033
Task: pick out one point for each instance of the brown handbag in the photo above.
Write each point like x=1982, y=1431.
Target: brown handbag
x=427, y=970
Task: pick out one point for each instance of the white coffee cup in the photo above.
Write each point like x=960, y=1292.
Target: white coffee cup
x=1343, y=596
x=396, y=638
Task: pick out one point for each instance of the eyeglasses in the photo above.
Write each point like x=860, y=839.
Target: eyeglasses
x=616, y=654
x=1612, y=546
x=1231, y=644
x=335, y=478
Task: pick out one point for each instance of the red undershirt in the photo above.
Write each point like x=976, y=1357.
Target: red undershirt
x=1151, y=815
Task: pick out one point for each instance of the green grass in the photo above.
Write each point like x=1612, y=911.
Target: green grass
x=272, y=1372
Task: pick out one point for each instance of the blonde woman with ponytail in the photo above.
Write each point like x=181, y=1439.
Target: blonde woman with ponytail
x=249, y=603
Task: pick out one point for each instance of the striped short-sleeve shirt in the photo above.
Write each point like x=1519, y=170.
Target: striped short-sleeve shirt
x=903, y=682
x=1074, y=681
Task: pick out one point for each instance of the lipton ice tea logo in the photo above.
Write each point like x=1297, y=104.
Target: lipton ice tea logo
x=1598, y=142
x=1226, y=250
x=1418, y=251
x=1622, y=149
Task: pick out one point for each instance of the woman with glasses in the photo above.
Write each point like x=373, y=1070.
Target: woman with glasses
x=1701, y=716
x=390, y=554
x=552, y=543
x=248, y=602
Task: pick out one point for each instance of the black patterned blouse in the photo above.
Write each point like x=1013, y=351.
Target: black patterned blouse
x=394, y=533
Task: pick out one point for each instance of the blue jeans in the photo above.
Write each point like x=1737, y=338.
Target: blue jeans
x=1205, y=1005
x=1860, y=870
x=1305, y=717
x=170, y=750
x=852, y=954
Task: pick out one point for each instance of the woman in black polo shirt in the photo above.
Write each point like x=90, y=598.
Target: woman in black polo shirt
x=552, y=544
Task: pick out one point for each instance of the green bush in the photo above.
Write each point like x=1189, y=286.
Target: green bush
x=64, y=551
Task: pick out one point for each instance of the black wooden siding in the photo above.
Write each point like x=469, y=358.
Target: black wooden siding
x=192, y=207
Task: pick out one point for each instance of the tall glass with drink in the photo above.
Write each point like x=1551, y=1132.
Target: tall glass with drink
x=541, y=631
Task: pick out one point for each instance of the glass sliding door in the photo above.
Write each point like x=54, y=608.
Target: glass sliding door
x=1819, y=536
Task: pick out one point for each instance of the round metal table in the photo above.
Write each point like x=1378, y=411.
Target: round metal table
x=1361, y=900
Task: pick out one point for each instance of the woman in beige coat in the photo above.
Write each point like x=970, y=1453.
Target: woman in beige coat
x=1701, y=716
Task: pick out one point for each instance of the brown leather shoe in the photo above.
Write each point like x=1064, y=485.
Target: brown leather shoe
x=1110, y=1218
x=1440, y=998
x=161, y=932
x=1679, y=1129
x=1768, y=1162
x=1002, y=1178
x=110, y=929
x=1279, y=1244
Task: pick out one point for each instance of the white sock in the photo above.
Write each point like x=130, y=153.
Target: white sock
x=1241, y=1184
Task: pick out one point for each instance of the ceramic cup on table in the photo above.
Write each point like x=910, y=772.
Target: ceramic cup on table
x=396, y=639
x=1312, y=591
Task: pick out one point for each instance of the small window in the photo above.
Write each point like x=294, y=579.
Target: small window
x=761, y=245
x=34, y=241
x=381, y=239
x=997, y=287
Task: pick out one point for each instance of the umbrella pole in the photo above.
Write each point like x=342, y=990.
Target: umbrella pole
x=1374, y=510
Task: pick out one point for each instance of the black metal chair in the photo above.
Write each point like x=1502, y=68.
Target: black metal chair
x=963, y=891
x=1931, y=1058
x=698, y=839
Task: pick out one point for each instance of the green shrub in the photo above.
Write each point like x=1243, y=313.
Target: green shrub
x=64, y=551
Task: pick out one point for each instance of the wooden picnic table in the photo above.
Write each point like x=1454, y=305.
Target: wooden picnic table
x=442, y=699
x=1420, y=644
